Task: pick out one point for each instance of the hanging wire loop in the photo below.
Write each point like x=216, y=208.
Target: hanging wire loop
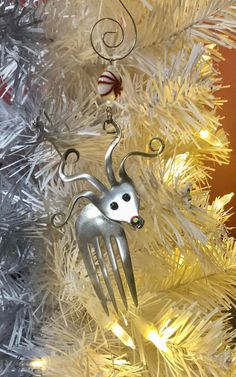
x=119, y=33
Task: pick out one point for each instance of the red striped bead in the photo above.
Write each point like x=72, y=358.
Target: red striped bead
x=110, y=84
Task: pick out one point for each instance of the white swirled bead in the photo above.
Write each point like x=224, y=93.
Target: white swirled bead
x=110, y=84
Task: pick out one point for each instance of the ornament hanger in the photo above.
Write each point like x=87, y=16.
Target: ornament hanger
x=99, y=226
x=105, y=35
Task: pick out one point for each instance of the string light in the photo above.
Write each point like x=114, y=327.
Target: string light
x=159, y=342
x=204, y=134
x=211, y=139
x=149, y=332
x=38, y=364
x=121, y=334
x=219, y=203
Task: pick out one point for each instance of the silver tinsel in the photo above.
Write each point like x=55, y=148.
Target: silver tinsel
x=20, y=226
x=22, y=214
x=20, y=51
x=21, y=208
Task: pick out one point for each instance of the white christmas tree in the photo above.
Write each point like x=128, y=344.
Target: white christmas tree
x=184, y=260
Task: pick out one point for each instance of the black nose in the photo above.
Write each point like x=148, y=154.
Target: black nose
x=137, y=222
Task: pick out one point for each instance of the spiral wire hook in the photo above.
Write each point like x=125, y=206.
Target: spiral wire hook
x=117, y=44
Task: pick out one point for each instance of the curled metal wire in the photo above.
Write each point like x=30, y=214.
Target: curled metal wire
x=155, y=152
x=119, y=32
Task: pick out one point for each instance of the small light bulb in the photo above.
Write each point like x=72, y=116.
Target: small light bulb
x=149, y=332
x=204, y=134
x=121, y=334
x=219, y=203
x=38, y=364
x=159, y=342
x=210, y=138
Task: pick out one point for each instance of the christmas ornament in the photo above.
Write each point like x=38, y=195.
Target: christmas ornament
x=99, y=229
x=100, y=222
x=100, y=234
x=110, y=81
x=110, y=84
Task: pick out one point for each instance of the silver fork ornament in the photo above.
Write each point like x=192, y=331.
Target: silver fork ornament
x=102, y=220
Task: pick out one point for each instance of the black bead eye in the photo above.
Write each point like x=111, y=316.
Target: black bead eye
x=126, y=197
x=114, y=206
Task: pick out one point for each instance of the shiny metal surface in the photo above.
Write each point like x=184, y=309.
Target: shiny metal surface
x=99, y=225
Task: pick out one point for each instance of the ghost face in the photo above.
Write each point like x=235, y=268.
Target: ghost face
x=121, y=204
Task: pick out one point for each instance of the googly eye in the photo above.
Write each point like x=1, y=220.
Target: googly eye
x=114, y=206
x=126, y=197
